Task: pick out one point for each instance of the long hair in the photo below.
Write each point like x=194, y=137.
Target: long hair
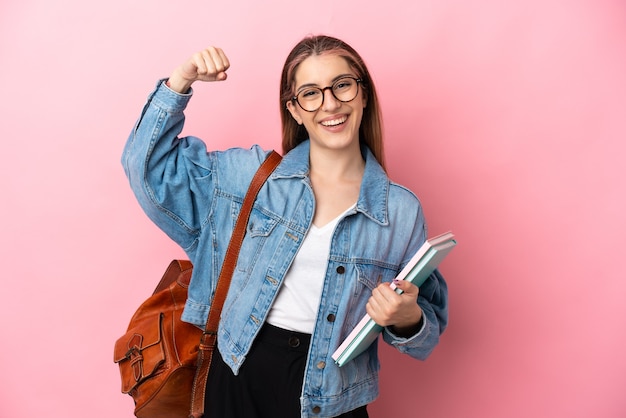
x=370, y=131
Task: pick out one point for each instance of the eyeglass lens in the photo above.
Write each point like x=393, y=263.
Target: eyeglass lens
x=344, y=90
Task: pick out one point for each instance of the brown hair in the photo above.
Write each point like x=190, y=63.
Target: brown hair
x=370, y=131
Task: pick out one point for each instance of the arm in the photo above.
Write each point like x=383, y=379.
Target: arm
x=171, y=176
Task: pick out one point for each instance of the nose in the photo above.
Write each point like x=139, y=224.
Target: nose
x=330, y=101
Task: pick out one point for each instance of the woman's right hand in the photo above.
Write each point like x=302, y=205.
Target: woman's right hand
x=210, y=64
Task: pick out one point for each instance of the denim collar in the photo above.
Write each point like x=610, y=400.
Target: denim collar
x=374, y=193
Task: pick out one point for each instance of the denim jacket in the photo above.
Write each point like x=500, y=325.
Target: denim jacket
x=194, y=196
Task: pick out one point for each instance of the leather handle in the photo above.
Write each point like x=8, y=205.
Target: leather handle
x=172, y=273
x=209, y=337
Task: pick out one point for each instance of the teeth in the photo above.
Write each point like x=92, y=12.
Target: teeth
x=334, y=122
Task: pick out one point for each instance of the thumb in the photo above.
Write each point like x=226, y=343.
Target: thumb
x=406, y=287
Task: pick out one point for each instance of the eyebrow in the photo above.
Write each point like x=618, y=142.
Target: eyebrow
x=339, y=77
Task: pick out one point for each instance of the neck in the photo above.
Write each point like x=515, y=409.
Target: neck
x=337, y=165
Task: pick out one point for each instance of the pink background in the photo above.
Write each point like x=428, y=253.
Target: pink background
x=508, y=119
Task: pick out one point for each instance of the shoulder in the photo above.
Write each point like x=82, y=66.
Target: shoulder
x=235, y=167
x=403, y=199
x=241, y=156
x=407, y=217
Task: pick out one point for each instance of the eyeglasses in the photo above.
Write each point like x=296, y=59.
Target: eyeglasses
x=312, y=98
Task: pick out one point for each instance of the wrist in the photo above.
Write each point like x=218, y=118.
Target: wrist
x=178, y=84
x=410, y=330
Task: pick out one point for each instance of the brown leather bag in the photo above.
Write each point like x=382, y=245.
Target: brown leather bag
x=157, y=356
x=164, y=362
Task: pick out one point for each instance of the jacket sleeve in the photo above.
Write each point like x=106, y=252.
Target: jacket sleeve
x=432, y=299
x=171, y=177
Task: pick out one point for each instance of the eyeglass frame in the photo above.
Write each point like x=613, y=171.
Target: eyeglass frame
x=359, y=81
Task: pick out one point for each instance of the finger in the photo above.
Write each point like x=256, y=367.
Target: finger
x=407, y=287
x=221, y=63
x=216, y=64
x=385, y=293
x=381, y=294
x=379, y=308
x=375, y=311
x=208, y=65
x=225, y=59
x=385, y=299
x=219, y=54
x=215, y=59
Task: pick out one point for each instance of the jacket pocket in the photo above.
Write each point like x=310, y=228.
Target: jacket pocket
x=258, y=231
x=370, y=276
x=260, y=225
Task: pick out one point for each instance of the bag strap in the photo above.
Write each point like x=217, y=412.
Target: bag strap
x=209, y=336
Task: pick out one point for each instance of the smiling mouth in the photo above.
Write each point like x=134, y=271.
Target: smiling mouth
x=334, y=122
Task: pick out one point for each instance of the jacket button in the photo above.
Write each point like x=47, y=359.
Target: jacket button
x=321, y=365
x=330, y=318
x=316, y=410
x=341, y=269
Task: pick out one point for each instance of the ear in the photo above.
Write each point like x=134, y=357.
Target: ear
x=294, y=112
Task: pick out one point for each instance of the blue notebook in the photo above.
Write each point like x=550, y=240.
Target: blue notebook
x=421, y=266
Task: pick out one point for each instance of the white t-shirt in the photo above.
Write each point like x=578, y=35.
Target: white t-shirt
x=296, y=304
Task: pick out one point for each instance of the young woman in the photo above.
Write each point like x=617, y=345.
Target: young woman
x=329, y=231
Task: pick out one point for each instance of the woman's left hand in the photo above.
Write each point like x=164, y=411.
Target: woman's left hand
x=401, y=312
